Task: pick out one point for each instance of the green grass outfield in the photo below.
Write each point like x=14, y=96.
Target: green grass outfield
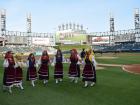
x=114, y=87
x=119, y=58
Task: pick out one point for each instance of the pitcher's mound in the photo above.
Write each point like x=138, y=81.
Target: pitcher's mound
x=135, y=68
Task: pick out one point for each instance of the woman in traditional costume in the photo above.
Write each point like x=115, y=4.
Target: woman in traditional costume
x=44, y=67
x=74, y=68
x=89, y=72
x=31, y=71
x=9, y=71
x=58, y=71
x=19, y=64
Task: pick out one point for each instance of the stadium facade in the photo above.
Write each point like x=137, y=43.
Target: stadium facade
x=29, y=38
x=69, y=33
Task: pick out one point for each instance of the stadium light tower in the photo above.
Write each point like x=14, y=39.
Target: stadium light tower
x=3, y=22
x=29, y=28
x=137, y=24
x=29, y=23
x=136, y=18
x=112, y=28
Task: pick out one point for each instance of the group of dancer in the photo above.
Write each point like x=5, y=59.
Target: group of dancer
x=13, y=74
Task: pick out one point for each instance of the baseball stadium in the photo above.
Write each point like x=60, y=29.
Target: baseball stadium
x=117, y=53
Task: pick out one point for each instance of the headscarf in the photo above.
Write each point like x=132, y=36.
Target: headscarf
x=92, y=52
x=45, y=55
x=89, y=55
x=59, y=56
x=75, y=51
x=30, y=56
x=31, y=60
x=59, y=51
x=18, y=57
x=9, y=57
x=74, y=54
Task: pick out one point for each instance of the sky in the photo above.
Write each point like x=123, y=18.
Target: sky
x=48, y=14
